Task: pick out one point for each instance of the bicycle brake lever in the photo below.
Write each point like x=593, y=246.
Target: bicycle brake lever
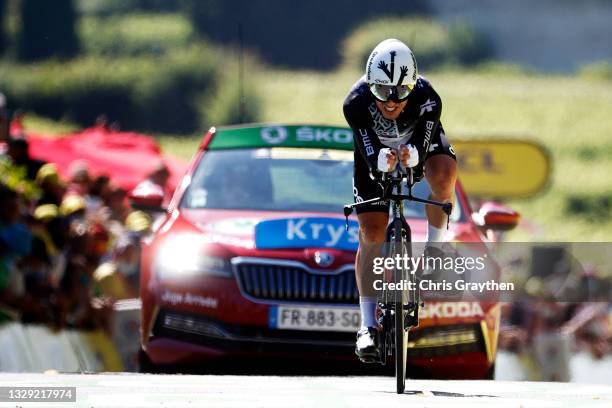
x=448, y=209
x=347, y=211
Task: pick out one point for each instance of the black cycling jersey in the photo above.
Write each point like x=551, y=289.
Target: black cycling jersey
x=415, y=125
x=418, y=124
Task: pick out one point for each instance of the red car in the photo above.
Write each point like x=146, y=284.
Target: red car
x=253, y=259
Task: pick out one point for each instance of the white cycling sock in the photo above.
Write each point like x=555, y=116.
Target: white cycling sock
x=368, y=311
x=434, y=234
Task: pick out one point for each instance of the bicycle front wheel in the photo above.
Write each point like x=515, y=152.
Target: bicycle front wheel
x=398, y=239
x=401, y=344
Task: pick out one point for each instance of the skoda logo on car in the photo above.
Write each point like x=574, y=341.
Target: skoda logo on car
x=274, y=134
x=323, y=258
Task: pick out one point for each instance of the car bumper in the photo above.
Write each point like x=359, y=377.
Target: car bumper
x=180, y=338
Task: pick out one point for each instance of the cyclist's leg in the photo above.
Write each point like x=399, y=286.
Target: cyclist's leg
x=372, y=228
x=373, y=220
x=441, y=174
x=372, y=224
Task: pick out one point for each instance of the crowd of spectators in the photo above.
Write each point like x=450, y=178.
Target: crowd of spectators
x=556, y=315
x=69, y=246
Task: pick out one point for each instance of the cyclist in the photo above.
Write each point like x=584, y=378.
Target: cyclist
x=395, y=117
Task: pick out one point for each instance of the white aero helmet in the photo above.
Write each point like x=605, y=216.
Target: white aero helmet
x=391, y=70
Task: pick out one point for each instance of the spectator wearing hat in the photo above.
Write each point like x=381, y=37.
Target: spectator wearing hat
x=138, y=223
x=53, y=189
x=73, y=207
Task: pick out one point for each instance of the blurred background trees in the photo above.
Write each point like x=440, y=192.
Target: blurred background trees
x=304, y=34
x=47, y=29
x=2, y=26
x=172, y=67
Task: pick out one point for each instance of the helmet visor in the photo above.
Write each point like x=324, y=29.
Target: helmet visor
x=390, y=92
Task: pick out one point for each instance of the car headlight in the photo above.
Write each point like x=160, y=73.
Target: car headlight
x=184, y=256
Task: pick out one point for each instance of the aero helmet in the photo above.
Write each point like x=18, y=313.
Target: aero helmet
x=391, y=70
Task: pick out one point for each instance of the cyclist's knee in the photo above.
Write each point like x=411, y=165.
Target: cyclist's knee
x=372, y=227
x=372, y=233
x=441, y=173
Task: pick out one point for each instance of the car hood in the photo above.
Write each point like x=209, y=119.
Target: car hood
x=238, y=227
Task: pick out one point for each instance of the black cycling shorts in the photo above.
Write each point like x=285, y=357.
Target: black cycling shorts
x=366, y=187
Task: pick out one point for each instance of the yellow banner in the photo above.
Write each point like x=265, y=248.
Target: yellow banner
x=502, y=168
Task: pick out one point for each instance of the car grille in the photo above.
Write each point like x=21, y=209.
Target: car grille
x=292, y=283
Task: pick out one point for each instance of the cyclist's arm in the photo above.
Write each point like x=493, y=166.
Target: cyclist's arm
x=365, y=139
x=430, y=110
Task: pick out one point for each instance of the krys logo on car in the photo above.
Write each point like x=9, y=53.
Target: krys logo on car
x=306, y=232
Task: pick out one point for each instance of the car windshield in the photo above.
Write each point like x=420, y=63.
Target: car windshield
x=280, y=179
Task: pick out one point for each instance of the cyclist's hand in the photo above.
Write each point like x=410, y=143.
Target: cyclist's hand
x=404, y=155
x=409, y=156
x=387, y=159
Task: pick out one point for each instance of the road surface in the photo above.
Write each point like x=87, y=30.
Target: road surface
x=148, y=390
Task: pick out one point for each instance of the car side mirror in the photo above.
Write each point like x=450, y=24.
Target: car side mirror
x=495, y=216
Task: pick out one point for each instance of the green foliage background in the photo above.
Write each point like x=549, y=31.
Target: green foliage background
x=147, y=72
x=433, y=43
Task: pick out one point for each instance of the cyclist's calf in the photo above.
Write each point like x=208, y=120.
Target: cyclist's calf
x=372, y=231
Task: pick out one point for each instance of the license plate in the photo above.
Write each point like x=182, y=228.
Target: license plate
x=338, y=319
